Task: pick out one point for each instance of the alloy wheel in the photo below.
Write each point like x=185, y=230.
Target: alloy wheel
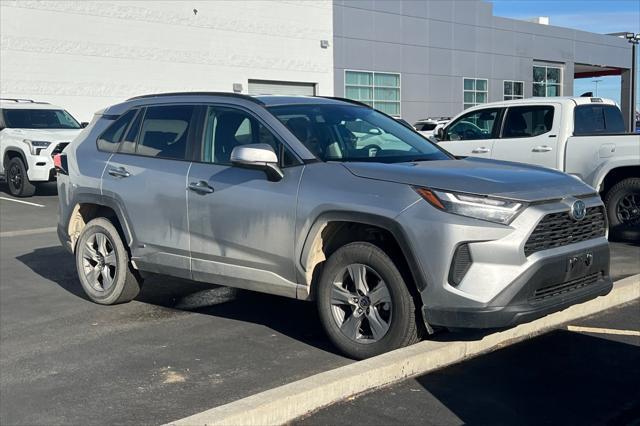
x=99, y=262
x=628, y=209
x=15, y=177
x=361, y=304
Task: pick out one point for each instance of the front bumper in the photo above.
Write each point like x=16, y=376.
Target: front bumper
x=547, y=287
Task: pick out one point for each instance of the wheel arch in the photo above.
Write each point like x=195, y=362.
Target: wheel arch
x=615, y=175
x=12, y=152
x=332, y=230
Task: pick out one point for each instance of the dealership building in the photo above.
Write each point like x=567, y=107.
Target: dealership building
x=410, y=58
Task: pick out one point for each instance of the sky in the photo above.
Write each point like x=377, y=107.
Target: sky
x=598, y=16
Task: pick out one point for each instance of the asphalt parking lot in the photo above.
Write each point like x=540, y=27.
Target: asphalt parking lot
x=180, y=347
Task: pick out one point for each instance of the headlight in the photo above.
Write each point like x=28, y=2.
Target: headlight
x=36, y=146
x=477, y=206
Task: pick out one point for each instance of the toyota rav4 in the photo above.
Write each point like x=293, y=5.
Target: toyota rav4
x=328, y=200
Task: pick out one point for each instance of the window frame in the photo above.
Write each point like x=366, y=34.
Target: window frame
x=496, y=131
x=475, y=92
x=545, y=84
x=512, y=96
x=198, y=151
x=374, y=87
x=506, y=113
x=193, y=128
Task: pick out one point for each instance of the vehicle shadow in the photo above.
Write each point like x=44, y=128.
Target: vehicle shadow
x=559, y=378
x=293, y=318
x=42, y=189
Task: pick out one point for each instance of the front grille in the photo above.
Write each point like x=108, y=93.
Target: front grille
x=566, y=287
x=559, y=229
x=58, y=149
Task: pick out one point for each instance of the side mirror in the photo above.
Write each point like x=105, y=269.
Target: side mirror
x=440, y=133
x=259, y=156
x=84, y=124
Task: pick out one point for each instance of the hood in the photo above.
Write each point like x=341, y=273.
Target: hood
x=49, y=135
x=478, y=176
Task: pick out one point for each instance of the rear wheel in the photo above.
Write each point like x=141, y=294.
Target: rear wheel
x=18, y=180
x=623, y=209
x=103, y=264
x=364, y=304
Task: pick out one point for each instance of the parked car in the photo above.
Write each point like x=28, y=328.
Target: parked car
x=31, y=133
x=582, y=136
x=392, y=238
x=429, y=126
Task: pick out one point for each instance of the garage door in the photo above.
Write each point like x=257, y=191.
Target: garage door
x=263, y=87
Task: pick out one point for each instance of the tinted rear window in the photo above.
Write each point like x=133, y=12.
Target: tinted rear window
x=109, y=140
x=598, y=118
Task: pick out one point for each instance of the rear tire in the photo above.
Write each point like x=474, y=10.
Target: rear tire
x=363, y=321
x=622, y=202
x=18, y=179
x=103, y=264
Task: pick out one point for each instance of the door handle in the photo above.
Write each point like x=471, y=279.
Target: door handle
x=200, y=187
x=481, y=150
x=542, y=148
x=119, y=172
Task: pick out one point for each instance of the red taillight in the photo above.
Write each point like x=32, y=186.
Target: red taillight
x=60, y=163
x=57, y=161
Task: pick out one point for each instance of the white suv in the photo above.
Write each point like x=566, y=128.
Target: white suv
x=31, y=133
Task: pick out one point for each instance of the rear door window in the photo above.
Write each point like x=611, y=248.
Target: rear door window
x=111, y=137
x=528, y=121
x=597, y=119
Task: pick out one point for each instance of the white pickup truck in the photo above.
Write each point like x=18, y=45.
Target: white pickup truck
x=584, y=137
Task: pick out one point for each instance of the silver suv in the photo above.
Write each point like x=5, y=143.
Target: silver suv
x=327, y=200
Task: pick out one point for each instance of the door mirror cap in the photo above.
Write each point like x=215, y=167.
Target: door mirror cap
x=84, y=124
x=258, y=156
x=440, y=133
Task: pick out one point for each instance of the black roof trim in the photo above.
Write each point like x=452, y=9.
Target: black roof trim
x=228, y=94
x=351, y=101
x=22, y=100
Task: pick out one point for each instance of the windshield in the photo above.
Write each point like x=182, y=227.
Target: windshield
x=355, y=133
x=39, y=119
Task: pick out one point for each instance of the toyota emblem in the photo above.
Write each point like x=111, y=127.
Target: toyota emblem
x=578, y=210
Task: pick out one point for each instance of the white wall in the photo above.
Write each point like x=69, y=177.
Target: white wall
x=85, y=55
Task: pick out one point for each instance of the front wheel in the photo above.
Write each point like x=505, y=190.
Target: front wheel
x=623, y=209
x=103, y=264
x=18, y=180
x=364, y=304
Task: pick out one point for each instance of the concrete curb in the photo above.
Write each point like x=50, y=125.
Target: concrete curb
x=288, y=402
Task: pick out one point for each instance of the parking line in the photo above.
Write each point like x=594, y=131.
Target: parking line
x=598, y=330
x=22, y=202
x=23, y=232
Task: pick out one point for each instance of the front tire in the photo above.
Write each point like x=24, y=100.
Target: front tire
x=623, y=209
x=103, y=264
x=18, y=179
x=364, y=304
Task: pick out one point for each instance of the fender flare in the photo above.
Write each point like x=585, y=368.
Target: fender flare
x=383, y=222
x=604, y=172
x=20, y=153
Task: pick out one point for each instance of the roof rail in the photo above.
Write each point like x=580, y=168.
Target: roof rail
x=31, y=101
x=351, y=101
x=229, y=94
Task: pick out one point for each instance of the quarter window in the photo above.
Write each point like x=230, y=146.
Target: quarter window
x=547, y=81
x=475, y=92
x=513, y=90
x=528, y=121
x=164, y=131
x=376, y=89
x=473, y=126
x=109, y=140
x=227, y=128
